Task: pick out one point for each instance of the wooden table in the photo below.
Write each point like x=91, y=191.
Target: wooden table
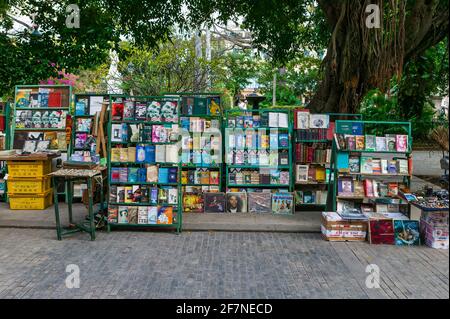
x=29, y=157
x=69, y=176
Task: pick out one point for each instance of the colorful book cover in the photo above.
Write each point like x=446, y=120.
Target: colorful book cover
x=123, y=215
x=132, y=215
x=401, y=143
x=371, y=144
x=283, y=140
x=153, y=195
x=200, y=105
x=165, y=215
x=142, y=215
x=113, y=213
x=366, y=165
x=345, y=186
x=402, y=166
x=117, y=111
x=376, y=166
x=368, y=188
x=351, y=142
x=354, y=164
x=81, y=107
x=359, y=140
x=391, y=142
x=282, y=203
x=381, y=145
x=381, y=231
x=128, y=110
x=407, y=232
x=152, y=217
x=392, y=167
x=140, y=112
x=120, y=194
x=392, y=189
x=259, y=202
x=187, y=105
x=193, y=202
x=236, y=202
x=214, y=202
x=169, y=111
x=154, y=111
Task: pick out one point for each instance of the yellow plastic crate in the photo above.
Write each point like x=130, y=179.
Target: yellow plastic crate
x=31, y=201
x=29, y=168
x=28, y=185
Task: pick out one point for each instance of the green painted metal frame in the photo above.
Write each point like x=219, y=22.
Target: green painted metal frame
x=178, y=225
x=327, y=183
x=235, y=112
x=7, y=115
x=68, y=109
x=332, y=200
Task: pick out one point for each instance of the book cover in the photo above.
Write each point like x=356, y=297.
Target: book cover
x=302, y=119
x=319, y=121
x=351, y=142
x=214, y=202
x=391, y=142
x=172, y=196
x=282, y=203
x=359, y=140
x=128, y=110
x=123, y=215
x=236, y=202
x=406, y=232
x=371, y=144
x=259, y=202
x=392, y=189
x=193, y=202
x=113, y=212
x=401, y=143
x=402, y=166
x=154, y=111
x=384, y=166
x=345, y=186
x=153, y=192
x=165, y=215
x=140, y=111
x=354, y=164
x=132, y=215
x=273, y=119
x=376, y=166
x=200, y=105
x=283, y=140
x=169, y=111
x=381, y=231
x=142, y=215
x=117, y=111
x=187, y=105
x=392, y=167
x=358, y=188
x=160, y=153
x=81, y=107
x=152, y=217
x=368, y=188
x=343, y=162
x=381, y=145
x=366, y=165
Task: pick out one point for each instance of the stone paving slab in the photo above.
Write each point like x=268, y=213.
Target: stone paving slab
x=125, y=264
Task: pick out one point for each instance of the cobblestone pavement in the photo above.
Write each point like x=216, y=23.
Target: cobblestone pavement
x=213, y=265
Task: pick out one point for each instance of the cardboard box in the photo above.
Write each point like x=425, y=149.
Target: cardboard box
x=334, y=228
x=381, y=231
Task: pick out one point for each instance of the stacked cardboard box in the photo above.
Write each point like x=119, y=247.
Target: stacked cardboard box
x=434, y=229
x=334, y=228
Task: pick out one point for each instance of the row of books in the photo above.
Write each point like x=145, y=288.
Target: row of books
x=43, y=97
x=311, y=173
x=377, y=166
x=198, y=124
x=199, y=141
x=317, y=134
x=85, y=141
x=197, y=105
x=389, y=142
x=316, y=153
x=200, y=176
x=303, y=120
x=200, y=157
x=89, y=105
x=143, y=194
x=238, y=139
x=145, y=154
x=258, y=158
x=154, y=111
x=348, y=187
x=144, y=133
x=148, y=174
x=261, y=176
x=265, y=119
x=311, y=197
x=41, y=119
x=239, y=202
x=145, y=215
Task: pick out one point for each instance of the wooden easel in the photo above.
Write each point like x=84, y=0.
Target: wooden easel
x=101, y=141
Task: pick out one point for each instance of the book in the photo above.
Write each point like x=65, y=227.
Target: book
x=401, y=143
x=152, y=215
x=402, y=166
x=370, y=143
x=302, y=119
x=128, y=110
x=354, y=164
x=236, y=202
x=381, y=145
x=193, y=202
x=123, y=215
x=368, y=188
x=282, y=203
x=351, y=142
x=358, y=188
x=319, y=120
x=273, y=119
x=259, y=202
x=113, y=213
x=406, y=232
x=345, y=186
x=376, y=166
x=391, y=142
x=214, y=202
x=117, y=111
x=366, y=165
x=132, y=215
x=392, y=167
x=384, y=166
x=142, y=215
x=154, y=111
x=359, y=141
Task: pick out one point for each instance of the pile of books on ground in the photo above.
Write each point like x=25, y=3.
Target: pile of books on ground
x=239, y=202
x=434, y=229
x=337, y=228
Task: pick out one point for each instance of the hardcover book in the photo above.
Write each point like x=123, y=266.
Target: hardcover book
x=128, y=110
x=366, y=165
x=123, y=215
x=113, y=213
x=381, y=145
x=117, y=111
x=214, y=202
x=282, y=203
x=259, y=202
x=354, y=164
x=401, y=143
x=371, y=143
x=391, y=142
x=359, y=142
x=152, y=217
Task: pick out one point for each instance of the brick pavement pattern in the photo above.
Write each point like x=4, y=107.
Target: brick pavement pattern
x=126, y=264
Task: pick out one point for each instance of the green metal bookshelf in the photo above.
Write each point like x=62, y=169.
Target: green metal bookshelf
x=314, y=186
x=176, y=208
x=190, y=112
x=231, y=116
x=379, y=129
x=5, y=115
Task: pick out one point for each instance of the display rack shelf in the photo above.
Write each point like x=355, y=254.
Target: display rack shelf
x=233, y=115
x=175, y=208
x=374, y=128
